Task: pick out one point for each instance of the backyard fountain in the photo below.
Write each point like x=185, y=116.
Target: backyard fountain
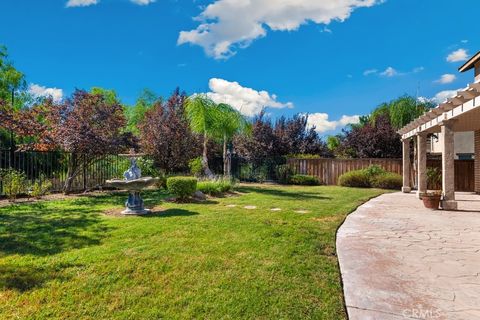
x=134, y=183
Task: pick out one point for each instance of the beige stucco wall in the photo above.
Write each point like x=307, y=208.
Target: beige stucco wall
x=477, y=72
x=464, y=143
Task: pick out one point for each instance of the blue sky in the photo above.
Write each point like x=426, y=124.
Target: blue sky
x=332, y=59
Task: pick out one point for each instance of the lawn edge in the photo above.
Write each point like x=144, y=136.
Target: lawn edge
x=344, y=302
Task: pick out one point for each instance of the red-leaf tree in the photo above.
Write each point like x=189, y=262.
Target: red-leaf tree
x=86, y=125
x=373, y=140
x=89, y=127
x=166, y=135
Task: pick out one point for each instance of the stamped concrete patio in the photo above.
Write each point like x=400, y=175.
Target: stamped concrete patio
x=401, y=261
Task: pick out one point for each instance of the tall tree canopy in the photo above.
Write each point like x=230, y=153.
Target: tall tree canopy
x=287, y=136
x=228, y=123
x=201, y=113
x=136, y=113
x=165, y=134
x=401, y=111
x=86, y=125
x=12, y=83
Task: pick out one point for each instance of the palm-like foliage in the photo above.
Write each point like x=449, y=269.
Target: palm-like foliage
x=201, y=112
x=228, y=123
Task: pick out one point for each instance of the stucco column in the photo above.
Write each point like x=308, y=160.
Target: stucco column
x=448, y=167
x=406, y=166
x=477, y=161
x=421, y=164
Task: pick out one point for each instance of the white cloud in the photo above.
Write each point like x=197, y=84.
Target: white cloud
x=389, y=72
x=446, y=78
x=86, y=3
x=248, y=101
x=370, y=71
x=458, y=55
x=444, y=95
x=418, y=69
x=81, y=3
x=142, y=2
x=227, y=25
x=322, y=123
x=40, y=91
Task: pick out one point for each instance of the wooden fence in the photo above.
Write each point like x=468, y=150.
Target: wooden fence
x=328, y=170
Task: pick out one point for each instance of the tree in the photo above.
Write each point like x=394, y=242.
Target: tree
x=86, y=126
x=228, y=122
x=201, y=112
x=166, y=135
x=136, y=113
x=109, y=96
x=11, y=81
x=377, y=140
x=261, y=144
x=288, y=136
x=402, y=110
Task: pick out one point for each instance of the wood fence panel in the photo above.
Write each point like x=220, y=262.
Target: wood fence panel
x=329, y=170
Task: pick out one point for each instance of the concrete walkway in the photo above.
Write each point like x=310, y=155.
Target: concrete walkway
x=401, y=261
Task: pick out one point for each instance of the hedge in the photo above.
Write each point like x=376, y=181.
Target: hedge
x=182, y=187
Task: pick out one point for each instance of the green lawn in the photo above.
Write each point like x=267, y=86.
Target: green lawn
x=65, y=259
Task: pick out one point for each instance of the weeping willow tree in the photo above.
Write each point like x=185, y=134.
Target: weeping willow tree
x=402, y=110
x=201, y=113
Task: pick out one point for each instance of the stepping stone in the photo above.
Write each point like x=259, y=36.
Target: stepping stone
x=276, y=209
x=302, y=211
x=250, y=207
x=231, y=205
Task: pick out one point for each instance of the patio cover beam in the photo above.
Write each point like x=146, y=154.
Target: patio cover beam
x=465, y=101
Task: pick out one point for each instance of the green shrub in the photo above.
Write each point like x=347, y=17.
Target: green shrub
x=182, y=187
x=387, y=181
x=434, y=178
x=284, y=173
x=14, y=183
x=355, y=179
x=41, y=187
x=375, y=170
x=196, y=166
x=250, y=173
x=304, y=156
x=303, y=180
x=162, y=182
x=215, y=187
x=148, y=168
x=373, y=176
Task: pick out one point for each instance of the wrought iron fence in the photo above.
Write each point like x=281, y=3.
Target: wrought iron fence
x=54, y=167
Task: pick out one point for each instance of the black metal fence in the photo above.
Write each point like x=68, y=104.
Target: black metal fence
x=54, y=167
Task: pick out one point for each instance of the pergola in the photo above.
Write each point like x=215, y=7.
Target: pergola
x=457, y=114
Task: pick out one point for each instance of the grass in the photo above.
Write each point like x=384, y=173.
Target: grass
x=65, y=259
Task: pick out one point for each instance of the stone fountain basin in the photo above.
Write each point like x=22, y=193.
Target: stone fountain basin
x=132, y=185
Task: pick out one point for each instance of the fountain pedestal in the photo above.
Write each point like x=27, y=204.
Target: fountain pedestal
x=134, y=204
x=134, y=183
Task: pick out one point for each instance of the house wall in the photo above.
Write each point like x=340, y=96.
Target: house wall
x=464, y=144
x=477, y=72
x=477, y=161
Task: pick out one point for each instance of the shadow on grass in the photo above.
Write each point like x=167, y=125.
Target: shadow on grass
x=24, y=278
x=170, y=213
x=40, y=229
x=296, y=195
